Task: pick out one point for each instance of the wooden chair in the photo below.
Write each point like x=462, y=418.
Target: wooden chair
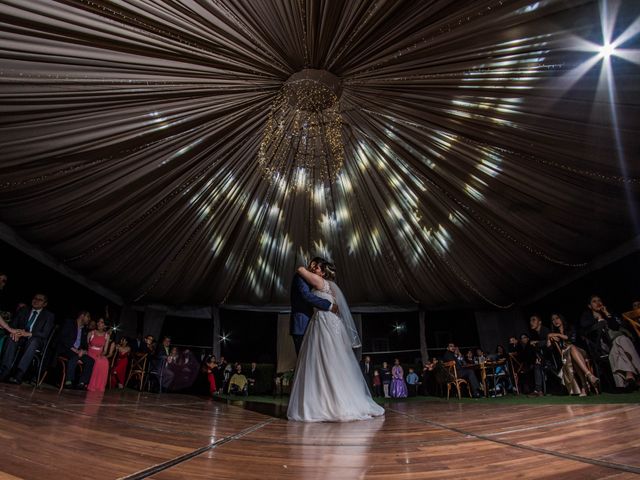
x=138, y=368
x=42, y=358
x=517, y=368
x=490, y=373
x=587, y=384
x=452, y=372
x=62, y=362
x=112, y=352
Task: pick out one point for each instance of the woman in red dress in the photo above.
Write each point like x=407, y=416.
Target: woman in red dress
x=118, y=374
x=98, y=341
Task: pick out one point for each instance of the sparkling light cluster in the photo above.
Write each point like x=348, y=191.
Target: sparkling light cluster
x=302, y=140
x=439, y=152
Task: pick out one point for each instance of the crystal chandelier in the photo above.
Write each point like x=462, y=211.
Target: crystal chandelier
x=302, y=141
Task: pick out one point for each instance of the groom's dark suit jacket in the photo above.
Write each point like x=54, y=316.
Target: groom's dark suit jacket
x=302, y=303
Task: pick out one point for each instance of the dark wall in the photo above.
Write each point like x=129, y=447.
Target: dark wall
x=252, y=336
x=618, y=284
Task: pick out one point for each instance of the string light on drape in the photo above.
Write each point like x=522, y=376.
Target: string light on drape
x=302, y=140
x=168, y=150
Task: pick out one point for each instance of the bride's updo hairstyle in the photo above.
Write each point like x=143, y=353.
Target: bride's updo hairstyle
x=328, y=269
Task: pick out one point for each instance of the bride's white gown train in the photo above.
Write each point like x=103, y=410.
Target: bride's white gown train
x=328, y=385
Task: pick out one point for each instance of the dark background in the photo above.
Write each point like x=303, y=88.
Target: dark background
x=252, y=335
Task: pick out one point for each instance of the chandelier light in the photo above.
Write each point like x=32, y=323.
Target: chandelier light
x=302, y=140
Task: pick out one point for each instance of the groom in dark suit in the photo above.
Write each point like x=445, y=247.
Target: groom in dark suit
x=302, y=304
x=32, y=328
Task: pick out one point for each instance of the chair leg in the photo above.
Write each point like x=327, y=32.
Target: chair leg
x=41, y=379
x=132, y=373
x=458, y=388
x=64, y=375
x=448, y=390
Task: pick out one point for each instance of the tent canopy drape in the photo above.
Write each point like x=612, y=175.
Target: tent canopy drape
x=447, y=152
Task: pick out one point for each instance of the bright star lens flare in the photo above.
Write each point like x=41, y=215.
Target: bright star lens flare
x=607, y=50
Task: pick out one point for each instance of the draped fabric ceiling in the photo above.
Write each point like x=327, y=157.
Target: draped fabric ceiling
x=483, y=149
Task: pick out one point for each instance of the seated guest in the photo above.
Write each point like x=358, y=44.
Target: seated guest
x=500, y=354
x=252, y=375
x=428, y=380
x=149, y=345
x=5, y=328
x=538, y=333
x=398, y=385
x=5, y=318
x=99, y=350
x=138, y=344
x=479, y=356
x=32, y=327
x=238, y=384
x=538, y=336
x=119, y=372
x=218, y=373
x=464, y=373
x=573, y=357
x=513, y=344
x=601, y=329
x=185, y=367
x=210, y=367
x=92, y=325
x=228, y=371
x=160, y=361
x=531, y=362
x=72, y=344
x=501, y=371
x=468, y=358
x=412, y=382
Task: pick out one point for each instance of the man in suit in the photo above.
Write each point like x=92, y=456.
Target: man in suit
x=252, y=375
x=72, y=344
x=32, y=327
x=160, y=363
x=464, y=373
x=303, y=303
x=367, y=371
x=138, y=344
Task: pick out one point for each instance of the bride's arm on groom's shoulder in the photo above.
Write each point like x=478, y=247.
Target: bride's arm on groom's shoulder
x=314, y=280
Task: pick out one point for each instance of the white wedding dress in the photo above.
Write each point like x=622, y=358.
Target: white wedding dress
x=328, y=385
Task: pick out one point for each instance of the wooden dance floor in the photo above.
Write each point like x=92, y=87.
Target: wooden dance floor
x=77, y=435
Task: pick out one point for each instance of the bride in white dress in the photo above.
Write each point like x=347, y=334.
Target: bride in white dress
x=328, y=385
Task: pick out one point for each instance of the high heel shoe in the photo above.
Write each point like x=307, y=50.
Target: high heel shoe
x=593, y=380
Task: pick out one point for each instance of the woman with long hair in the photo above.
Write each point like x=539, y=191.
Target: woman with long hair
x=573, y=357
x=99, y=350
x=328, y=385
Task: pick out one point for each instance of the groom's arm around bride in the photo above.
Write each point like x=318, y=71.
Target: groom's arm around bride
x=303, y=302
